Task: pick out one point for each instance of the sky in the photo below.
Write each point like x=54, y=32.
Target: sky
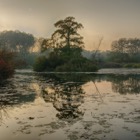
x=110, y=19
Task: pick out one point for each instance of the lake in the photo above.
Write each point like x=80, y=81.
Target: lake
x=71, y=106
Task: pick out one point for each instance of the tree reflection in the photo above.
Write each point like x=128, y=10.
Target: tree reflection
x=123, y=84
x=3, y=112
x=66, y=96
x=127, y=84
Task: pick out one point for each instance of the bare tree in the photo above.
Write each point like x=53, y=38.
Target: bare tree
x=98, y=47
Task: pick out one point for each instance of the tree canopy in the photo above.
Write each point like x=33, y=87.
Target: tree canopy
x=126, y=50
x=65, y=36
x=124, y=45
x=16, y=41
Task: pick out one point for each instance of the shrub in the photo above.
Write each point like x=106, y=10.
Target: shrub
x=132, y=65
x=77, y=65
x=111, y=65
x=40, y=64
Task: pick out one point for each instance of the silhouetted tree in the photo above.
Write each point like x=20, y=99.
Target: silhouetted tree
x=67, y=31
x=66, y=35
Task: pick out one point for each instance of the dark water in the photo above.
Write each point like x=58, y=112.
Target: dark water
x=76, y=106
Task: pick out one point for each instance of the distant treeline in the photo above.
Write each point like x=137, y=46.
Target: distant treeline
x=124, y=53
x=15, y=51
x=21, y=44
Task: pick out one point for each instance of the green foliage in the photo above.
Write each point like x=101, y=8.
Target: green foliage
x=111, y=65
x=118, y=57
x=77, y=65
x=67, y=32
x=65, y=36
x=135, y=58
x=40, y=64
x=27, y=62
x=132, y=65
x=63, y=63
x=43, y=63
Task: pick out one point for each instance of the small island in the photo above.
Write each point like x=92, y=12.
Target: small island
x=65, y=46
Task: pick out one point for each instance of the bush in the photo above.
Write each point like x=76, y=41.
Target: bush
x=40, y=64
x=70, y=61
x=77, y=65
x=111, y=65
x=132, y=65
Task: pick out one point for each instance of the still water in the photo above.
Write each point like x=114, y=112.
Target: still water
x=77, y=106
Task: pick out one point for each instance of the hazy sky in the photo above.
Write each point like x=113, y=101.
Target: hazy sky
x=111, y=19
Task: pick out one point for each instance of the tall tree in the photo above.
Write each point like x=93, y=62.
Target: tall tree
x=66, y=35
x=67, y=31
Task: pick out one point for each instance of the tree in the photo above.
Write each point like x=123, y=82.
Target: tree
x=66, y=36
x=67, y=31
x=123, y=45
x=16, y=41
x=66, y=46
x=126, y=50
x=97, y=50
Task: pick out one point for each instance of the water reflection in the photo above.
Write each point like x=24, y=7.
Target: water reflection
x=122, y=84
x=66, y=95
x=126, y=84
x=13, y=93
x=36, y=106
x=3, y=112
x=66, y=91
